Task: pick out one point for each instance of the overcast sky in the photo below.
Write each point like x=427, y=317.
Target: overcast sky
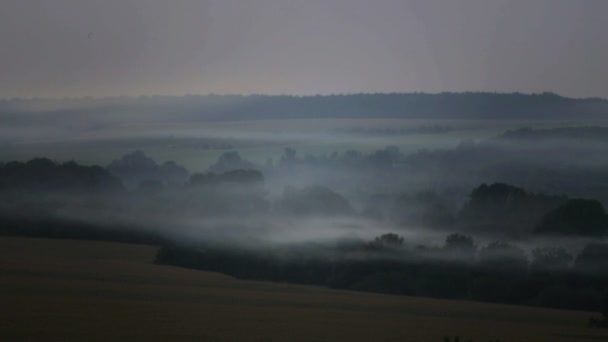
x=130, y=47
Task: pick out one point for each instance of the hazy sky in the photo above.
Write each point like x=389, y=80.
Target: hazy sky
x=132, y=47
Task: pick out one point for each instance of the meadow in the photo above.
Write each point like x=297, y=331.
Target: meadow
x=100, y=291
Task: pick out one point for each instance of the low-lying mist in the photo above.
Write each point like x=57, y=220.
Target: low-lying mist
x=516, y=218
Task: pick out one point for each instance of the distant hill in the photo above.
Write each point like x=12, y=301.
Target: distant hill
x=191, y=108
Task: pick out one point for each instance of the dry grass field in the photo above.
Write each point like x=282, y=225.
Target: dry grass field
x=97, y=291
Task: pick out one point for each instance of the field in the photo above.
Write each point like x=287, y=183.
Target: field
x=256, y=140
x=99, y=291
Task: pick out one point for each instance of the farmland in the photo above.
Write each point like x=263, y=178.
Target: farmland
x=84, y=290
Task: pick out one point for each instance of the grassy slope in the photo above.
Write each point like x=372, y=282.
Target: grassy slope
x=81, y=290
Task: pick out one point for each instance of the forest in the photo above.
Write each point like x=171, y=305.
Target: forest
x=348, y=220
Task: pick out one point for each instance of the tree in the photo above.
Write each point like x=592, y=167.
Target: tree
x=506, y=208
x=425, y=208
x=42, y=174
x=461, y=246
x=136, y=167
x=503, y=257
x=313, y=200
x=389, y=240
x=576, y=217
x=230, y=161
x=235, y=177
x=550, y=259
x=593, y=258
x=493, y=205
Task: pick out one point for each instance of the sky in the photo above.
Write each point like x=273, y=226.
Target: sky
x=73, y=48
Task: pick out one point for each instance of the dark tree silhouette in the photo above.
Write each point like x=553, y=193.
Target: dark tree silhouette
x=576, y=217
x=550, y=259
x=42, y=174
x=461, y=246
x=136, y=167
x=313, y=200
x=425, y=208
x=231, y=161
x=502, y=256
x=238, y=177
x=506, y=208
x=593, y=258
x=389, y=240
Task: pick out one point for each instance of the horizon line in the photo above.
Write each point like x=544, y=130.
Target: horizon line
x=468, y=92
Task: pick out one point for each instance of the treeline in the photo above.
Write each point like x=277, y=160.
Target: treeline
x=43, y=188
x=43, y=198
x=471, y=105
x=569, y=160
x=39, y=198
x=501, y=207
x=57, y=227
x=46, y=199
x=495, y=208
x=499, y=272
x=443, y=179
x=42, y=174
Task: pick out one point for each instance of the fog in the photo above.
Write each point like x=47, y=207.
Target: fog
x=446, y=149
x=316, y=190
x=359, y=195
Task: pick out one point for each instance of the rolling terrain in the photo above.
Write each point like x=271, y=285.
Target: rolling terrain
x=100, y=291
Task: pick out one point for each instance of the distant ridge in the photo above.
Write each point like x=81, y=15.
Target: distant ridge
x=469, y=105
